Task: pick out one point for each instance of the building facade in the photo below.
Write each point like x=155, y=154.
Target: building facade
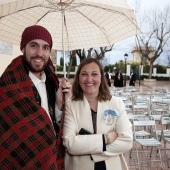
x=137, y=56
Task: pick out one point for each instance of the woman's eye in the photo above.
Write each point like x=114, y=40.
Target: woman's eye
x=83, y=74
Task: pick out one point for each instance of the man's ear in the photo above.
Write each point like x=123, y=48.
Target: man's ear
x=23, y=50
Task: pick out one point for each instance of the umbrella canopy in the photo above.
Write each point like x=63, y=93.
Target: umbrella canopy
x=73, y=24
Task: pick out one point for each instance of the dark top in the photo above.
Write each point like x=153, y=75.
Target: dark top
x=98, y=165
x=51, y=101
x=118, y=80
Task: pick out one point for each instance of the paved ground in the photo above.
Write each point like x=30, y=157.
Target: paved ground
x=162, y=86
x=149, y=86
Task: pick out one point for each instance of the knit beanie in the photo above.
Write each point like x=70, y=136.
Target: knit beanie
x=35, y=32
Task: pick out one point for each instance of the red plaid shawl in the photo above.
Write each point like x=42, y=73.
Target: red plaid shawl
x=27, y=139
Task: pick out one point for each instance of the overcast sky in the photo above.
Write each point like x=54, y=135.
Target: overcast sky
x=152, y=3
x=124, y=46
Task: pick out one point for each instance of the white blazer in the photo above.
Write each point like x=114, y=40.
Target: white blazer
x=84, y=150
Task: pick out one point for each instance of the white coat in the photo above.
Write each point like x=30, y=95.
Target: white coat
x=80, y=148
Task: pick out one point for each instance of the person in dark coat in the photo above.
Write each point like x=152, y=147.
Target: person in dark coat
x=132, y=78
x=108, y=78
x=118, y=80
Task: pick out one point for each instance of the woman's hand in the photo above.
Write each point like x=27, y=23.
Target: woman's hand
x=110, y=137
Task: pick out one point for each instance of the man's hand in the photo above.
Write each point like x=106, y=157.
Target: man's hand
x=64, y=87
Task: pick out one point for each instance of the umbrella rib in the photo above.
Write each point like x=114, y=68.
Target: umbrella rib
x=42, y=17
x=19, y=11
x=30, y=8
x=101, y=29
x=110, y=10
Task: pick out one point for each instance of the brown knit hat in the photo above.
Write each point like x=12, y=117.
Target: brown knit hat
x=35, y=32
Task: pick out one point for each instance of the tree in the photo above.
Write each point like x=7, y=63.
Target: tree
x=98, y=53
x=61, y=61
x=72, y=57
x=74, y=62
x=167, y=58
x=156, y=33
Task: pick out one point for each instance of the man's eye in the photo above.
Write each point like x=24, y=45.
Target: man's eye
x=33, y=45
x=46, y=48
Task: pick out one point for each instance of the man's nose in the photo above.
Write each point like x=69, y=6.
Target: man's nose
x=39, y=51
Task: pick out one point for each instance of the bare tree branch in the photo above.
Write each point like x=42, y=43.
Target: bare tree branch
x=153, y=40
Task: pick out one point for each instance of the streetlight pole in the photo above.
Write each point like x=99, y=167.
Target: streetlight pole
x=126, y=56
x=121, y=64
x=140, y=71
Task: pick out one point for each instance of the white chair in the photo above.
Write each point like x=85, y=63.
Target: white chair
x=159, y=108
x=165, y=134
x=167, y=101
x=128, y=107
x=146, y=143
x=141, y=109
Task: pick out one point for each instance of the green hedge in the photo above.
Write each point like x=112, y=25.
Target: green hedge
x=60, y=68
x=62, y=75
x=160, y=69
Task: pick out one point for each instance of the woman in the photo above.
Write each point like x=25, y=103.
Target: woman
x=94, y=109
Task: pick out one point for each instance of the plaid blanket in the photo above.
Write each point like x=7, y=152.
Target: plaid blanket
x=27, y=139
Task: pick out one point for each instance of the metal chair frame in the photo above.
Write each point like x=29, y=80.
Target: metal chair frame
x=165, y=134
x=147, y=142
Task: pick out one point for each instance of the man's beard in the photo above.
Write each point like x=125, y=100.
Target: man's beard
x=31, y=67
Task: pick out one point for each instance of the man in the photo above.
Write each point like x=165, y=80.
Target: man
x=118, y=79
x=31, y=103
x=108, y=78
x=132, y=78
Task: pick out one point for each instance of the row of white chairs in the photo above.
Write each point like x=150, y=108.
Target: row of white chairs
x=147, y=139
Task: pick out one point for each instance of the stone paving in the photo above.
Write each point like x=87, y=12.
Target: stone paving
x=150, y=86
x=155, y=86
x=158, y=86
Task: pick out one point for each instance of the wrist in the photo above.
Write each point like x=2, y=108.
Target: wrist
x=60, y=106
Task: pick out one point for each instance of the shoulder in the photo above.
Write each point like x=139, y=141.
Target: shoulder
x=117, y=101
x=70, y=102
x=76, y=104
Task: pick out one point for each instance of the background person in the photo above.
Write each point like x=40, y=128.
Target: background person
x=118, y=79
x=94, y=109
x=108, y=78
x=132, y=78
x=31, y=100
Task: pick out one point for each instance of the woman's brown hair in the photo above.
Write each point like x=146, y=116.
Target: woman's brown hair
x=104, y=93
